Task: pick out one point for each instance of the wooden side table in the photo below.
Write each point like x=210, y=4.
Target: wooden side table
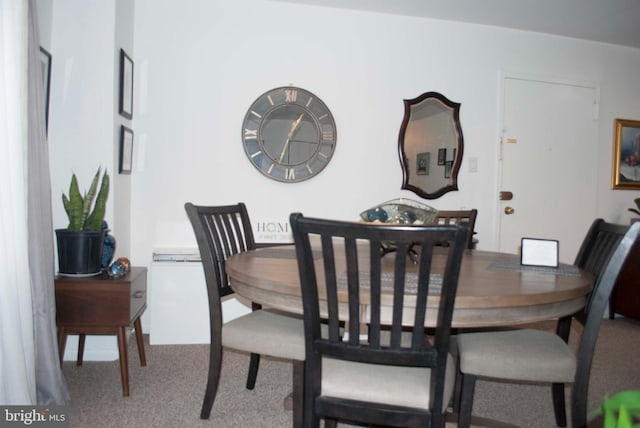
x=101, y=305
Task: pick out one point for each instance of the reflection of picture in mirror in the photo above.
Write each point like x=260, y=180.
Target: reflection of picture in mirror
x=442, y=156
x=448, y=166
x=422, y=163
x=451, y=155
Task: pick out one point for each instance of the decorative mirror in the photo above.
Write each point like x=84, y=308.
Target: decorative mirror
x=430, y=145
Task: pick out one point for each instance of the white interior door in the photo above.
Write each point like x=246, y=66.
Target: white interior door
x=549, y=154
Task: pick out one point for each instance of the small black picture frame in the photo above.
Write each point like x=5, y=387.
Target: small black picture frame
x=422, y=163
x=45, y=67
x=126, y=85
x=442, y=156
x=126, y=150
x=448, y=167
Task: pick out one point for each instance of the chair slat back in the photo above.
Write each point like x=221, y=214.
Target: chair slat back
x=601, y=240
x=221, y=231
x=351, y=264
x=599, y=244
x=467, y=217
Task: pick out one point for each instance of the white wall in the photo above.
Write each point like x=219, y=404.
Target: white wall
x=84, y=38
x=81, y=124
x=199, y=64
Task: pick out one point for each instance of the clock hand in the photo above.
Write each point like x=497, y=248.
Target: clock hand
x=294, y=125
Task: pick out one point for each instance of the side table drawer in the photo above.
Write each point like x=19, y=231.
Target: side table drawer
x=101, y=300
x=105, y=304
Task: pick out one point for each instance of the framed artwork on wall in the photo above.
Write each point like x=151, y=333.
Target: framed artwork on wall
x=126, y=150
x=45, y=68
x=625, y=172
x=126, y=85
x=422, y=163
x=442, y=156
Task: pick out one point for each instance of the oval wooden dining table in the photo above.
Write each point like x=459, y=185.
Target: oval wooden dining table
x=493, y=288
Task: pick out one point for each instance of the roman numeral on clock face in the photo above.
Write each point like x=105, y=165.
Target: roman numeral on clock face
x=290, y=174
x=251, y=134
x=290, y=95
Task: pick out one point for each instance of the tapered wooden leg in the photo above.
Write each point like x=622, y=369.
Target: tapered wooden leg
x=254, y=364
x=62, y=343
x=215, y=365
x=140, y=340
x=298, y=394
x=81, y=340
x=559, y=408
x=466, y=400
x=124, y=367
x=457, y=391
x=254, y=361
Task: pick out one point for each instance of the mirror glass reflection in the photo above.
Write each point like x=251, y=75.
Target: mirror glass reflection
x=430, y=145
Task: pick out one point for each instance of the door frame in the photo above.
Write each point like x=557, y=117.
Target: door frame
x=505, y=75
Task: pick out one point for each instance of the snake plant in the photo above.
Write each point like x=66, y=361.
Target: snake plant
x=83, y=214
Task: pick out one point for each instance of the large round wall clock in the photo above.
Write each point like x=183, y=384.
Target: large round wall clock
x=289, y=134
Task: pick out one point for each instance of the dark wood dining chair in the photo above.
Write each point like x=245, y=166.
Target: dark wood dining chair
x=384, y=371
x=222, y=231
x=596, y=249
x=467, y=217
x=530, y=355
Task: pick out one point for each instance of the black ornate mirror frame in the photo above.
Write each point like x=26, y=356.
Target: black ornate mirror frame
x=410, y=180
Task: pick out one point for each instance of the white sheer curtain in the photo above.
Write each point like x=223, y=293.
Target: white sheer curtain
x=29, y=368
x=17, y=348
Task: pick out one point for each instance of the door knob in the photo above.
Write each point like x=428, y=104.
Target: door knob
x=508, y=210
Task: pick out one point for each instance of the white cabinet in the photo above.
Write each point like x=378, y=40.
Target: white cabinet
x=178, y=305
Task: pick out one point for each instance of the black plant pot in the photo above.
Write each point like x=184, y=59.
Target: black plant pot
x=79, y=253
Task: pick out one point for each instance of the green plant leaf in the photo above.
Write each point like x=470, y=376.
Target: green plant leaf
x=624, y=418
x=609, y=418
x=73, y=205
x=88, y=201
x=94, y=221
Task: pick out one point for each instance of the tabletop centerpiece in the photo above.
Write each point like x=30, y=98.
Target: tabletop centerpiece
x=399, y=211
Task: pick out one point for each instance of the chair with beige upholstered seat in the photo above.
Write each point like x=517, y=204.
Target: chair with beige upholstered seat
x=374, y=376
x=222, y=231
x=529, y=355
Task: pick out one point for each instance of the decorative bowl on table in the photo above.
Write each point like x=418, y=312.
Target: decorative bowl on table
x=400, y=211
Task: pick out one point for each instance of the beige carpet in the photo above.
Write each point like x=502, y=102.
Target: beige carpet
x=168, y=391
